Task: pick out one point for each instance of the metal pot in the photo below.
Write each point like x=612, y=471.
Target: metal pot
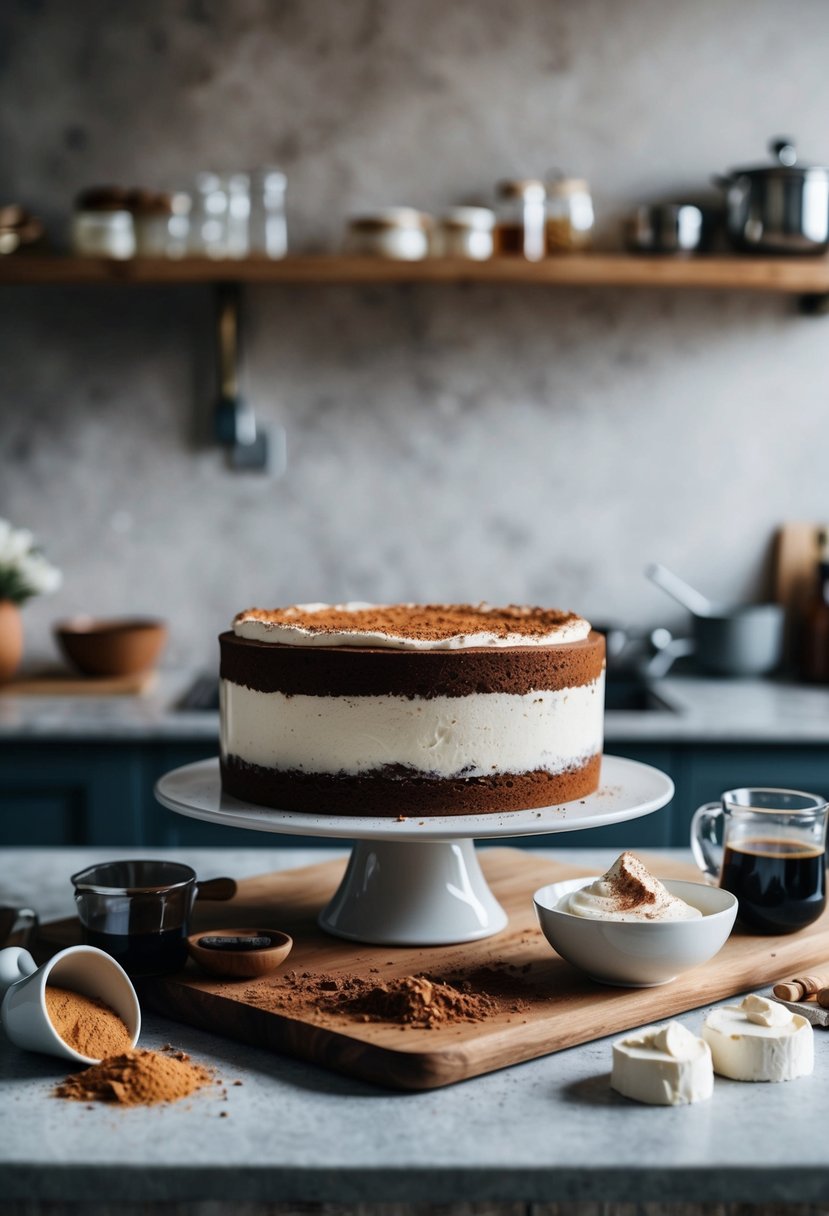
x=669, y=228
x=742, y=641
x=778, y=208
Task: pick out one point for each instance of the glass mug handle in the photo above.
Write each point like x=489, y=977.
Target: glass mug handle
x=707, y=850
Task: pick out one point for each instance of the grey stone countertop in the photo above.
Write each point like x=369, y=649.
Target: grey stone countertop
x=697, y=710
x=549, y=1130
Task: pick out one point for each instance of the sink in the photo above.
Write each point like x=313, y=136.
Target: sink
x=628, y=695
x=202, y=694
x=632, y=695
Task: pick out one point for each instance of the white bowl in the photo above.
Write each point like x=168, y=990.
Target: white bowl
x=637, y=954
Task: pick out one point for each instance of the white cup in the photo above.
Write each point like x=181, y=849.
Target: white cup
x=82, y=969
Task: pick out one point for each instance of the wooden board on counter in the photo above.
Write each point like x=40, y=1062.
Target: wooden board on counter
x=60, y=683
x=560, y=1007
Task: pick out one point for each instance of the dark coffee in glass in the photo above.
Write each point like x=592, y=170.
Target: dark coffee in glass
x=780, y=884
x=768, y=848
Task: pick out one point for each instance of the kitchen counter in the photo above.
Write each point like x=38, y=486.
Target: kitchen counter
x=547, y=1131
x=699, y=710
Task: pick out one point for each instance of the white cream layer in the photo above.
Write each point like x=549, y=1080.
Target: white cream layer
x=257, y=630
x=472, y=736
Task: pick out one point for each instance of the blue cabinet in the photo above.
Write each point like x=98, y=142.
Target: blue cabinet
x=66, y=794
x=76, y=793
x=707, y=771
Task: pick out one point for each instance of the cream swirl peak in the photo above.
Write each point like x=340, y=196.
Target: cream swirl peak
x=628, y=891
x=411, y=626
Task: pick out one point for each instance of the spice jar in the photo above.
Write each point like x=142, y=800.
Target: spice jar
x=395, y=232
x=519, y=229
x=102, y=224
x=569, y=215
x=465, y=232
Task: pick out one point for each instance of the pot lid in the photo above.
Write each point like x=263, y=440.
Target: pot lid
x=785, y=164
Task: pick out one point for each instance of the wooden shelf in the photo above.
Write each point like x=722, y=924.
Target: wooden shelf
x=792, y=276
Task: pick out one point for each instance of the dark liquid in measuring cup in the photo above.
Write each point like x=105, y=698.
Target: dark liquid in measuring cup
x=780, y=884
x=140, y=954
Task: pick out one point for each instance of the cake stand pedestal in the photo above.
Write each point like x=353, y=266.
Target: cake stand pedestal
x=417, y=882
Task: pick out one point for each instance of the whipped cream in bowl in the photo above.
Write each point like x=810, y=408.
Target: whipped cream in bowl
x=630, y=929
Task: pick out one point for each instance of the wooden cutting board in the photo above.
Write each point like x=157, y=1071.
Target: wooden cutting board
x=560, y=1006
x=795, y=561
x=57, y=682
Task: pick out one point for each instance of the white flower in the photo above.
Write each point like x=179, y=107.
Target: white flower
x=14, y=542
x=40, y=576
x=24, y=571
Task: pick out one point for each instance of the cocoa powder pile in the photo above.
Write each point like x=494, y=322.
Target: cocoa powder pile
x=86, y=1024
x=417, y=1001
x=136, y=1078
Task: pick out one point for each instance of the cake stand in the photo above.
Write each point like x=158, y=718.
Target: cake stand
x=417, y=881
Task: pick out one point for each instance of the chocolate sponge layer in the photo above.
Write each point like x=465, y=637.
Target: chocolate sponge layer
x=388, y=793
x=327, y=671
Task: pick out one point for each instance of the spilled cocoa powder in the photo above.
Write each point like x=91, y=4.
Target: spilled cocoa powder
x=424, y=1001
x=137, y=1078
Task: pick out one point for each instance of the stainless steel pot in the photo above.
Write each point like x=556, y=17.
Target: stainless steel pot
x=778, y=208
x=667, y=228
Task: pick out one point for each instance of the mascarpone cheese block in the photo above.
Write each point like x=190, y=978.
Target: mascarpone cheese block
x=663, y=1065
x=759, y=1040
x=367, y=709
x=627, y=892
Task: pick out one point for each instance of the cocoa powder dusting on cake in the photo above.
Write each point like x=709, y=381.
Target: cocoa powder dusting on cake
x=420, y=622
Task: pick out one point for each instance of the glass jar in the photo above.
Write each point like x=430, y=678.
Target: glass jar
x=151, y=215
x=569, y=215
x=179, y=226
x=103, y=234
x=237, y=190
x=208, y=230
x=519, y=230
x=267, y=229
x=396, y=232
x=465, y=232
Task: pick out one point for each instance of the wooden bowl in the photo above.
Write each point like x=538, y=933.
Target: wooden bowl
x=240, y=964
x=111, y=646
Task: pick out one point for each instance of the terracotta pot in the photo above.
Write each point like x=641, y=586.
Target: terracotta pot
x=11, y=639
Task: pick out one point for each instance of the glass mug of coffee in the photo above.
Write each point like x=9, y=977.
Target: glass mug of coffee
x=772, y=855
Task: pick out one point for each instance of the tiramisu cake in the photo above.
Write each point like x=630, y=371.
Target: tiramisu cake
x=357, y=709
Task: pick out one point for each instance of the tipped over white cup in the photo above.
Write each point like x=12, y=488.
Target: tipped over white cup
x=82, y=969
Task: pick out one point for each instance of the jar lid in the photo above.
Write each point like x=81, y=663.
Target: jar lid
x=563, y=187
x=480, y=218
x=149, y=202
x=531, y=189
x=102, y=198
x=391, y=217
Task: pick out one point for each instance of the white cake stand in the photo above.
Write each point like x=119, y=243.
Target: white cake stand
x=417, y=881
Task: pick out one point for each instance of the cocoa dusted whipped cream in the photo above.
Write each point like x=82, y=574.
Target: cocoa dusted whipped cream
x=410, y=626
x=628, y=891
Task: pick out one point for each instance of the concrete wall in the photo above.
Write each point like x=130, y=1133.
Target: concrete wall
x=511, y=443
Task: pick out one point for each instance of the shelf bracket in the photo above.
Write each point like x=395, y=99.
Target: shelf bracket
x=234, y=425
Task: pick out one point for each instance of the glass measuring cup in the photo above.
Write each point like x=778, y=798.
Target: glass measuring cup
x=139, y=911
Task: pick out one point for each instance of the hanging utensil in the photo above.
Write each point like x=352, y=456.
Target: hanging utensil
x=680, y=591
